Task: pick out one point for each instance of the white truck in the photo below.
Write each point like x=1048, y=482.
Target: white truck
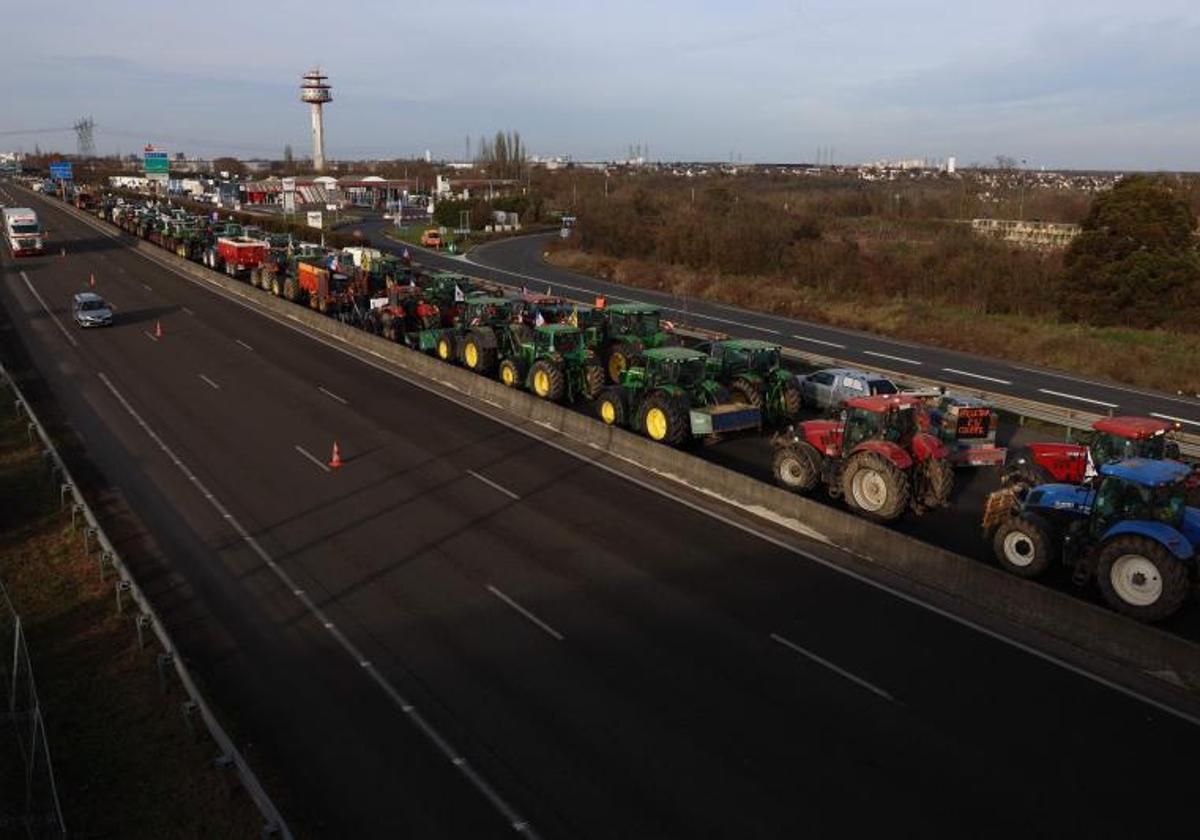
x=23, y=232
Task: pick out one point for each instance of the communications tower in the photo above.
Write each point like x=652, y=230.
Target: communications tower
x=315, y=90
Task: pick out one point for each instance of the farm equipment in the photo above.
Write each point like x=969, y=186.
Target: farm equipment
x=670, y=396
x=966, y=425
x=553, y=361
x=1133, y=532
x=876, y=456
x=237, y=256
x=754, y=373
x=1112, y=439
x=476, y=337
x=627, y=330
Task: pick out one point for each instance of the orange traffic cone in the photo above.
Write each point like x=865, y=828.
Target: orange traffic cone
x=158, y=333
x=92, y=280
x=335, y=460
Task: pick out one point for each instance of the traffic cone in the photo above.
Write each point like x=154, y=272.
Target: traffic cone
x=158, y=333
x=335, y=460
x=92, y=280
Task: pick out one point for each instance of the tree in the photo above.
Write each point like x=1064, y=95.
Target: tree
x=228, y=164
x=1135, y=262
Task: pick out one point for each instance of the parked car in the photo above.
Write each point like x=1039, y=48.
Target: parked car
x=89, y=310
x=829, y=389
x=431, y=238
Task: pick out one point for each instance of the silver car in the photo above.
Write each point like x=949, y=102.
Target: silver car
x=89, y=310
x=828, y=389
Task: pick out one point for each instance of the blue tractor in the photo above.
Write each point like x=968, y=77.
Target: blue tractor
x=1131, y=529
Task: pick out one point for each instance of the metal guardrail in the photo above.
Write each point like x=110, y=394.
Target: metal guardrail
x=126, y=589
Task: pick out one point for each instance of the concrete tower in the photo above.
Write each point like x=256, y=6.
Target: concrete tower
x=315, y=90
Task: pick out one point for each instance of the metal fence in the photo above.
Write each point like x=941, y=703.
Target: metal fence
x=129, y=597
x=30, y=804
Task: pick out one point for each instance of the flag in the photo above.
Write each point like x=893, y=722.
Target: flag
x=668, y=326
x=458, y=294
x=538, y=320
x=574, y=319
x=412, y=284
x=406, y=256
x=525, y=290
x=547, y=291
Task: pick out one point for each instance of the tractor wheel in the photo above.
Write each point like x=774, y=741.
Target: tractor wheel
x=1021, y=473
x=746, y=392
x=875, y=487
x=291, y=289
x=445, y=348
x=791, y=400
x=622, y=357
x=547, y=381
x=937, y=483
x=593, y=380
x=610, y=407
x=1024, y=546
x=1139, y=577
x=477, y=356
x=510, y=373
x=797, y=467
x=663, y=420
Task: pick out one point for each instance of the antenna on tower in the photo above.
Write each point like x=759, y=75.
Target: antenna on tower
x=85, y=144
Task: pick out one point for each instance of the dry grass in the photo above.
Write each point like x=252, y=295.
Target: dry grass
x=125, y=763
x=1155, y=359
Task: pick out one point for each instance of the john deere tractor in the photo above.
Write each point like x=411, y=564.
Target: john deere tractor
x=626, y=331
x=754, y=373
x=1132, y=530
x=553, y=361
x=670, y=397
x=476, y=337
x=876, y=456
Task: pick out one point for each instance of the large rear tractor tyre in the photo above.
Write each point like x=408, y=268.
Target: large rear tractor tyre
x=445, y=348
x=874, y=487
x=510, y=374
x=1024, y=546
x=937, y=483
x=593, y=380
x=1139, y=577
x=797, y=467
x=477, y=356
x=1021, y=473
x=623, y=356
x=663, y=420
x=546, y=379
x=610, y=407
x=746, y=392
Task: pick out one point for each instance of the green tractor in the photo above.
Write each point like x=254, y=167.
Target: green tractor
x=626, y=331
x=475, y=339
x=553, y=361
x=754, y=373
x=670, y=397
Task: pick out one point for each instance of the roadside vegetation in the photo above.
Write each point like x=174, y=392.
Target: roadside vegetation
x=124, y=761
x=1122, y=302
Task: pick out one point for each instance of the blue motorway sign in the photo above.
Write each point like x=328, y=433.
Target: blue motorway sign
x=61, y=170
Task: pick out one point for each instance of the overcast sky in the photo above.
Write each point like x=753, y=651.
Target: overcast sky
x=1073, y=83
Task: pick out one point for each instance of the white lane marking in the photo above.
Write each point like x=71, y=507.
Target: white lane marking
x=214, y=385
x=332, y=395
x=496, y=486
x=189, y=312
x=1075, y=397
x=694, y=316
x=859, y=681
x=147, y=287
x=423, y=725
x=820, y=341
x=244, y=344
x=313, y=458
x=385, y=366
x=70, y=338
x=977, y=376
x=525, y=612
x=1176, y=419
x=889, y=356
x=150, y=335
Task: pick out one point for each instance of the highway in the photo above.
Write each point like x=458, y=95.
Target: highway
x=519, y=261
x=604, y=659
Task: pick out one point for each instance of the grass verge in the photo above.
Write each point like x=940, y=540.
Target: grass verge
x=125, y=763
x=1154, y=359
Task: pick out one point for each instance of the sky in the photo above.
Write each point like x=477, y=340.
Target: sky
x=1087, y=85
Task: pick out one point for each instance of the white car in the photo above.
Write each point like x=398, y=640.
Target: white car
x=89, y=310
x=829, y=389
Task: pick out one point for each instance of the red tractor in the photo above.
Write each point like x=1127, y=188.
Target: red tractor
x=1112, y=439
x=876, y=456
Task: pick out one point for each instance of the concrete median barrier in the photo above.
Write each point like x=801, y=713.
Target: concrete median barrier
x=1070, y=620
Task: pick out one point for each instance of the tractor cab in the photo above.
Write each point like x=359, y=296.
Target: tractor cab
x=490, y=311
x=889, y=418
x=736, y=357
x=635, y=320
x=562, y=339
x=673, y=366
x=1142, y=490
x=1121, y=438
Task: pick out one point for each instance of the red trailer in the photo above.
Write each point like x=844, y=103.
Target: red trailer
x=240, y=254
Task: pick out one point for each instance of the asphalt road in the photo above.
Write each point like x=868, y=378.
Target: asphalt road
x=612, y=662
x=519, y=261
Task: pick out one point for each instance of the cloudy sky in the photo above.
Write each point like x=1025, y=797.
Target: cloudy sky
x=1074, y=83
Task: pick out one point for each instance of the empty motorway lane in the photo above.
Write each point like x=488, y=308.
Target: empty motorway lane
x=603, y=660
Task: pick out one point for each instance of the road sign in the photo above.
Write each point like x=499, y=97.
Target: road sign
x=155, y=162
x=314, y=218
x=61, y=170
x=289, y=185
x=289, y=202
